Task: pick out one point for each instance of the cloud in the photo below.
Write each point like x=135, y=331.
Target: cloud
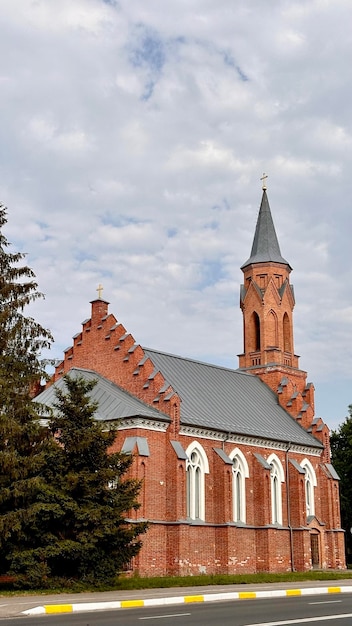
x=132, y=144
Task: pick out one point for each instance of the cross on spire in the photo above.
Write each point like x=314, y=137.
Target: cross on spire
x=100, y=290
x=263, y=179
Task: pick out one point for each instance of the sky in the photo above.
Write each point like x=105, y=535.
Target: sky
x=133, y=136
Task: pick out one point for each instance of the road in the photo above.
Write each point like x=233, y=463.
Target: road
x=319, y=610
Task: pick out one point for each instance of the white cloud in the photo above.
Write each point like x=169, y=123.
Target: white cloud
x=50, y=137
x=133, y=141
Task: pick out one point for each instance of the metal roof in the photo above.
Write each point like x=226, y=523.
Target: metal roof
x=212, y=397
x=265, y=246
x=113, y=402
x=228, y=400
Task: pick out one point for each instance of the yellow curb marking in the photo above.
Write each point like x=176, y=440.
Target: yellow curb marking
x=194, y=598
x=334, y=589
x=245, y=595
x=125, y=604
x=293, y=592
x=58, y=608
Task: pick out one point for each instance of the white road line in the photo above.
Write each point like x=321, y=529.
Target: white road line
x=166, y=616
x=326, y=602
x=304, y=620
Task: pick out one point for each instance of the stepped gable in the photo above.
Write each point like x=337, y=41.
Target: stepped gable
x=212, y=397
x=114, y=403
x=298, y=400
x=321, y=431
x=105, y=346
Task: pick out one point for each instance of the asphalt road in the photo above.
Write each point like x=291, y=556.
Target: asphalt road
x=303, y=610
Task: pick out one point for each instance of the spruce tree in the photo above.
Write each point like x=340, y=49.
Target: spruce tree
x=63, y=497
x=23, y=441
x=89, y=537
x=341, y=458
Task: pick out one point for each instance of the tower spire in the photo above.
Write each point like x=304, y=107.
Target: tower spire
x=265, y=248
x=267, y=302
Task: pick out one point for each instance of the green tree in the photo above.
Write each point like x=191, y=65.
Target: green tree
x=23, y=442
x=341, y=457
x=86, y=534
x=63, y=496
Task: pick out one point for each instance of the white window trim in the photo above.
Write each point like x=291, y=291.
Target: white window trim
x=310, y=481
x=244, y=473
x=204, y=469
x=275, y=487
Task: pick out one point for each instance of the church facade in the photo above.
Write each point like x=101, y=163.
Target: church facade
x=235, y=467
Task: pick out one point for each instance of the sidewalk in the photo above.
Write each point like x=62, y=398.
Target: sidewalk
x=111, y=600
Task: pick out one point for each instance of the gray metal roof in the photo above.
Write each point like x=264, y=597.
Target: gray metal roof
x=113, y=402
x=265, y=246
x=228, y=400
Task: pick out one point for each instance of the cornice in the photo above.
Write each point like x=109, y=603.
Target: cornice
x=257, y=442
x=143, y=423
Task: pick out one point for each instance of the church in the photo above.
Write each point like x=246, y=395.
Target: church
x=235, y=467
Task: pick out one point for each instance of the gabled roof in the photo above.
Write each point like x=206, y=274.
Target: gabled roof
x=212, y=397
x=113, y=402
x=228, y=400
x=265, y=246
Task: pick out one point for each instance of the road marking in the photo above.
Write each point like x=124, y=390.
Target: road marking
x=304, y=620
x=326, y=602
x=166, y=616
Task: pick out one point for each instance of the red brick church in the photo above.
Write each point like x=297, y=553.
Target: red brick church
x=236, y=469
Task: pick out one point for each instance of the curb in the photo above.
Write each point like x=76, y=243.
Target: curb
x=211, y=597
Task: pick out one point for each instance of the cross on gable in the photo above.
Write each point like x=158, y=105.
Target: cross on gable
x=100, y=291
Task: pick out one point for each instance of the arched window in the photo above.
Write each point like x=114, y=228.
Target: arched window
x=287, y=333
x=239, y=474
x=310, y=481
x=271, y=326
x=277, y=477
x=254, y=334
x=197, y=466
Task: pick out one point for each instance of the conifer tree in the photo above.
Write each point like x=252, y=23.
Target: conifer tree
x=341, y=458
x=88, y=536
x=23, y=441
x=63, y=496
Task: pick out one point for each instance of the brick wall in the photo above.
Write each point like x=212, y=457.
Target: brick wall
x=176, y=545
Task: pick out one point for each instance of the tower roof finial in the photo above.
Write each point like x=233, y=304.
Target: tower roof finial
x=263, y=179
x=99, y=290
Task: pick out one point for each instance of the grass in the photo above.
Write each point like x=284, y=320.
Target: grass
x=237, y=579
x=137, y=582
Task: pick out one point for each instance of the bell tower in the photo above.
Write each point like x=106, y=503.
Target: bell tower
x=267, y=301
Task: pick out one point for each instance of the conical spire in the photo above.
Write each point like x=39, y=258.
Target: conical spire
x=265, y=246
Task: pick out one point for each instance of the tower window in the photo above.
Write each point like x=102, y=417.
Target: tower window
x=271, y=324
x=287, y=334
x=256, y=331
